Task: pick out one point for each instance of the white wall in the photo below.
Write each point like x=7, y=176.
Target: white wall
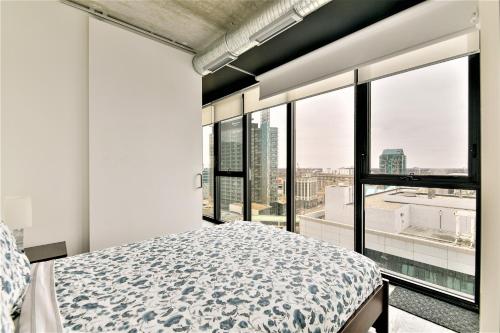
x=1, y=104
x=44, y=117
x=489, y=316
x=145, y=138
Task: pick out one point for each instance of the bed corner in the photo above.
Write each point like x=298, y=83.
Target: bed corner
x=374, y=312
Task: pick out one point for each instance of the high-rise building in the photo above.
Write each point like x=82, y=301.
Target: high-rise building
x=392, y=161
x=264, y=161
x=231, y=158
x=264, y=157
x=231, y=145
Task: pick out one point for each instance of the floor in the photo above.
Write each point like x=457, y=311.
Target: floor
x=404, y=322
x=400, y=321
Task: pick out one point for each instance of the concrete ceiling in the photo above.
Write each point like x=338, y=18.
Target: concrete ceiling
x=194, y=23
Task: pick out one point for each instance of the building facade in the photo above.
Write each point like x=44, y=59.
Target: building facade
x=306, y=192
x=231, y=159
x=264, y=161
x=393, y=162
x=417, y=233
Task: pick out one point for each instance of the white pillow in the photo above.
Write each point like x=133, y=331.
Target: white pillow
x=6, y=323
x=14, y=275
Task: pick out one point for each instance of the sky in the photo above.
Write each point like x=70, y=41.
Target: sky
x=324, y=130
x=423, y=111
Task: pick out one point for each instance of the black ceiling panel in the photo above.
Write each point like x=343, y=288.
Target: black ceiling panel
x=331, y=22
x=224, y=82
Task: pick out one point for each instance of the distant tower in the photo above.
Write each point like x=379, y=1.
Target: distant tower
x=231, y=152
x=393, y=161
x=264, y=156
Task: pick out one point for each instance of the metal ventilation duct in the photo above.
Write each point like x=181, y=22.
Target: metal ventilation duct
x=278, y=17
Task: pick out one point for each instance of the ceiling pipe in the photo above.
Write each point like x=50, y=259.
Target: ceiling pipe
x=276, y=18
x=100, y=15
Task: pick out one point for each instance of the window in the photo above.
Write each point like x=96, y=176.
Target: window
x=268, y=166
x=420, y=180
x=230, y=176
x=389, y=168
x=324, y=196
x=419, y=121
x=425, y=234
x=208, y=171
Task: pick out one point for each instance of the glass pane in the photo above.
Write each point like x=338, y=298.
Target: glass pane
x=208, y=171
x=231, y=145
x=419, y=121
x=268, y=166
x=325, y=167
x=426, y=235
x=231, y=198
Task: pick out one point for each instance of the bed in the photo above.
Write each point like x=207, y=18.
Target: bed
x=236, y=277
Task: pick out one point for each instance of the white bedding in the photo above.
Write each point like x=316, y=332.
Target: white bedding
x=40, y=312
x=238, y=277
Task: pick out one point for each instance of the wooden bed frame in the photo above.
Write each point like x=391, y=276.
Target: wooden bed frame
x=374, y=312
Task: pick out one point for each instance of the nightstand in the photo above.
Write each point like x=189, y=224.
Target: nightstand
x=46, y=252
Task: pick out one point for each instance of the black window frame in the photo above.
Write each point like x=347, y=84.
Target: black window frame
x=289, y=150
x=218, y=173
x=206, y=217
x=363, y=177
x=245, y=174
x=471, y=182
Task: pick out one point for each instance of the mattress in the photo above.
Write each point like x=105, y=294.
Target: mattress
x=236, y=277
